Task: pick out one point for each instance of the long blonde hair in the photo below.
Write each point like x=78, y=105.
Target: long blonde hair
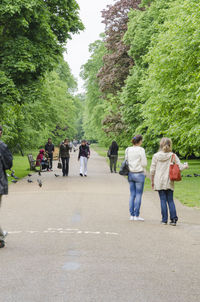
x=166, y=144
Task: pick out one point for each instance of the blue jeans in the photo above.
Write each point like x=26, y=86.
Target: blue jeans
x=136, y=182
x=166, y=197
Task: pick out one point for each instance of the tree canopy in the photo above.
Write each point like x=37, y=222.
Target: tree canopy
x=159, y=95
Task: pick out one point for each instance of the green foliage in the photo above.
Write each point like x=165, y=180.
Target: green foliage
x=36, y=95
x=171, y=86
x=52, y=112
x=32, y=36
x=94, y=104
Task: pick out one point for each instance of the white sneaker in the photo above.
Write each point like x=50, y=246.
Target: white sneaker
x=139, y=218
x=132, y=217
x=5, y=233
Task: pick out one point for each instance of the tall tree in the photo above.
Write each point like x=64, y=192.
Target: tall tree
x=32, y=36
x=116, y=62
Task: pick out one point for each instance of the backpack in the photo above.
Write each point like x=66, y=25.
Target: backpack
x=6, y=156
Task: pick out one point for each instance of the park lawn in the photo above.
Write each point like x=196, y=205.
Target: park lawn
x=186, y=191
x=21, y=165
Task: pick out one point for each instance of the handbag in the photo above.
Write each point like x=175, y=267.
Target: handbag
x=174, y=170
x=124, y=169
x=59, y=165
x=108, y=153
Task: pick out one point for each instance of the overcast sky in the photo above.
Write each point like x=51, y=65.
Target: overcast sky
x=77, y=48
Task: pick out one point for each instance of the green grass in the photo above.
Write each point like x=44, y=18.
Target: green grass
x=187, y=190
x=21, y=165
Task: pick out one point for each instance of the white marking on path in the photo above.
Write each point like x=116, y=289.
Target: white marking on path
x=65, y=231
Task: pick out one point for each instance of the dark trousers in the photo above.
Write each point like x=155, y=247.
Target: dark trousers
x=166, y=198
x=1, y=231
x=113, y=162
x=65, y=165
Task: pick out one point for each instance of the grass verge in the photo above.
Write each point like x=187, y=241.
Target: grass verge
x=187, y=190
x=21, y=165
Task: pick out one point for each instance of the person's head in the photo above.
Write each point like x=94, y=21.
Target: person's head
x=137, y=140
x=66, y=141
x=83, y=142
x=1, y=130
x=49, y=140
x=165, y=144
x=114, y=144
x=41, y=151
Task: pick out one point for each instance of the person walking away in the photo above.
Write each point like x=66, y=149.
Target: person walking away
x=84, y=154
x=161, y=182
x=49, y=148
x=137, y=162
x=64, y=155
x=6, y=160
x=113, y=156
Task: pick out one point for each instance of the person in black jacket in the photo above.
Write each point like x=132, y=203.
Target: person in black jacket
x=49, y=148
x=64, y=155
x=5, y=163
x=113, y=156
x=84, y=154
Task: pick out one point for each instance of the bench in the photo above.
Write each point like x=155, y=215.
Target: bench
x=33, y=162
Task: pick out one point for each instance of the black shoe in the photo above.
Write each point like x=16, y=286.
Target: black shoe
x=81, y=174
x=173, y=222
x=2, y=243
x=85, y=175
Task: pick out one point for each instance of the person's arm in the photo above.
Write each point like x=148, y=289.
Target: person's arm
x=126, y=154
x=88, y=151
x=79, y=154
x=181, y=166
x=53, y=149
x=143, y=158
x=152, y=171
x=59, y=156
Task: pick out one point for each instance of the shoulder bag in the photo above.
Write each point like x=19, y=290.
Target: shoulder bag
x=174, y=170
x=124, y=170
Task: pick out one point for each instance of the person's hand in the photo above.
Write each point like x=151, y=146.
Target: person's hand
x=186, y=165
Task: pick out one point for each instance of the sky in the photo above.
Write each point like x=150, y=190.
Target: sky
x=77, y=48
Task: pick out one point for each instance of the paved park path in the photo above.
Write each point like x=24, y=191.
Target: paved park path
x=71, y=240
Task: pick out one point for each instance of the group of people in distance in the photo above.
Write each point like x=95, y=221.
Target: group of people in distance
x=159, y=174
x=45, y=156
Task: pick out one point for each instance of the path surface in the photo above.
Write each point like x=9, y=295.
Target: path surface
x=71, y=241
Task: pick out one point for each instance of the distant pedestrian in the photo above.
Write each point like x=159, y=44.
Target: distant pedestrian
x=5, y=163
x=84, y=154
x=49, y=148
x=65, y=147
x=113, y=156
x=161, y=182
x=137, y=162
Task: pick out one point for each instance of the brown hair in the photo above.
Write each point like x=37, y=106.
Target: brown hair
x=136, y=139
x=166, y=144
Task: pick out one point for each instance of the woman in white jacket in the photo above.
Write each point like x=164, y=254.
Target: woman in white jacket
x=161, y=182
x=137, y=162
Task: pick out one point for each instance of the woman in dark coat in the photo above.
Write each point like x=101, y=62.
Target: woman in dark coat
x=113, y=156
x=64, y=155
